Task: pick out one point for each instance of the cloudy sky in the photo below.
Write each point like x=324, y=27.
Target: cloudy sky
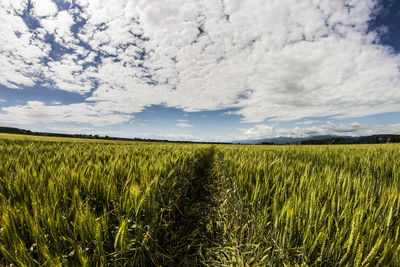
x=201, y=69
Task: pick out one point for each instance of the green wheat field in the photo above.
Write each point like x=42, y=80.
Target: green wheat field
x=75, y=202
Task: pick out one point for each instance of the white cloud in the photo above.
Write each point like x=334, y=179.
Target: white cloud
x=184, y=124
x=35, y=112
x=259, y=130
x=2, y=100
x=277, y=60
x=14, y=6
x=60, y=26
x=307, y=122
x=183, y=137
x=72, y=130
x=20, y=51
x=44, y=8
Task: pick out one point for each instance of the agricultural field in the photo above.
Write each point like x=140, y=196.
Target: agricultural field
x=76, y=202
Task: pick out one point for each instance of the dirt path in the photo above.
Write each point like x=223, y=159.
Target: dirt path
x=200, y=221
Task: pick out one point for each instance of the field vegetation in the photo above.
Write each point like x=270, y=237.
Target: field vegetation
x=316, y=205
x=89, y=202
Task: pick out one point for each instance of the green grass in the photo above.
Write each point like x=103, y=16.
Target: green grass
x=95, y=202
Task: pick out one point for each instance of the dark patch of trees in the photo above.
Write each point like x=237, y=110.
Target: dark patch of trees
x=373, y=139
x=267, y=143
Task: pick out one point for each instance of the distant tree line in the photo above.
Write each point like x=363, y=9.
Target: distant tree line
x=373, y=139
x=12, y=130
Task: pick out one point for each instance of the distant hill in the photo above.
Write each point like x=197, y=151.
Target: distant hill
x=326, y=139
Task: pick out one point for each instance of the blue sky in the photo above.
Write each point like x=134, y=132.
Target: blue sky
x=201, y=70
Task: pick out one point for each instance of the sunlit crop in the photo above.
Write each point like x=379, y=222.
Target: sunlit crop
x=79, y=202
x=319, y=205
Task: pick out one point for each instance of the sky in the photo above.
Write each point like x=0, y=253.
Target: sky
x=201, y=70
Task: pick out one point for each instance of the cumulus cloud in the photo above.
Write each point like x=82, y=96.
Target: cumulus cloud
x=20, y=50
x=60, y=27
x=270, y=60
x=44, y=8
x=329, y=128
x=37, y=112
